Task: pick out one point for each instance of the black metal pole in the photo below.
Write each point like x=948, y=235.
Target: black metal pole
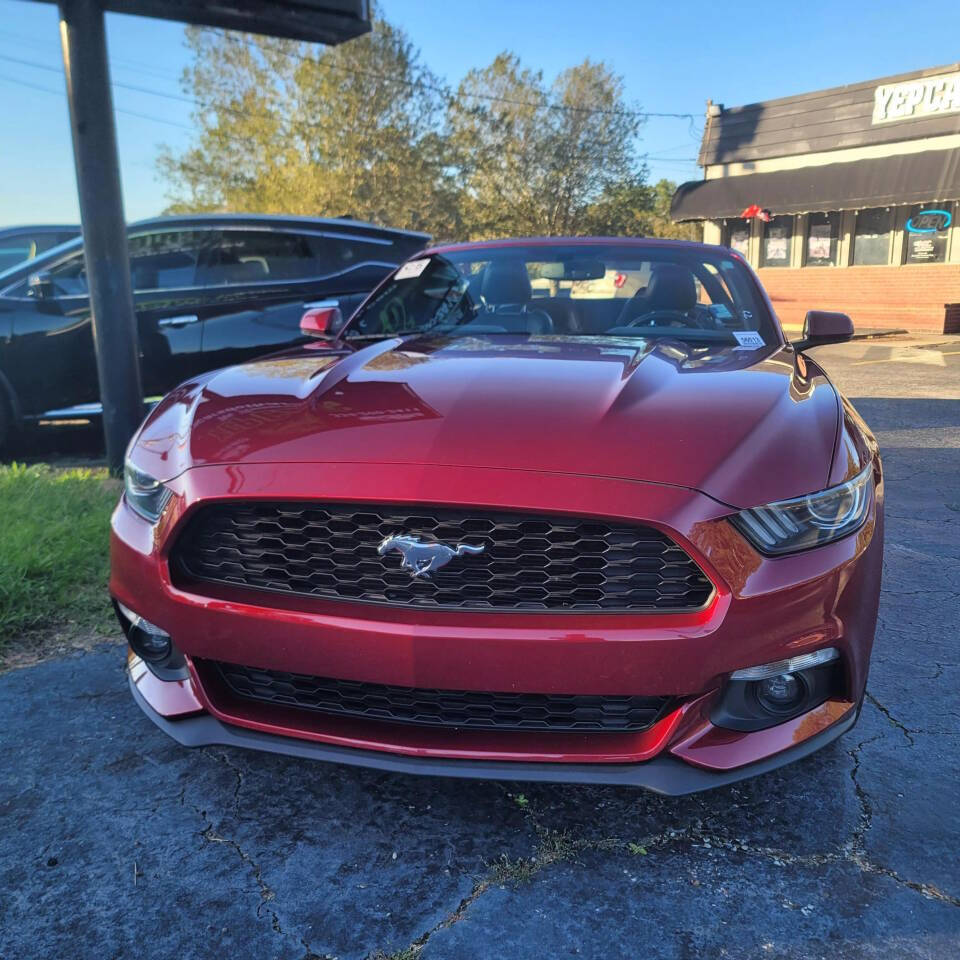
x=84, y=41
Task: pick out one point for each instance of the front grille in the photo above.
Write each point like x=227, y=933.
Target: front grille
x=527, y=563
x=442, y=708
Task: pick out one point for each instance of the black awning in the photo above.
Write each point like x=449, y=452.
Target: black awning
x=877, y=182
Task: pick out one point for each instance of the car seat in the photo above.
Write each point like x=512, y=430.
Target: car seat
x=506, y=292
x=671, y=287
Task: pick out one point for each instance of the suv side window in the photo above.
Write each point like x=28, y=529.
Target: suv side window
x=339, y=254
x=252, y=256
x=165, y=260
x=255, y=256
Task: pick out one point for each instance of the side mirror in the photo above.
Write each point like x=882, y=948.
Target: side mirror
x=40, y=285
x=322, y=321
x=824, y=326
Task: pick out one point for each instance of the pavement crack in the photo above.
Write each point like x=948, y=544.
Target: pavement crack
x=225, y=758
x=915, y=519
x=854, y=850
x=414, y=949
x=857, y=842
x=893, y=720
x=210, y=835
x=563, y=847
x=266, y=893
x=865, y=865
x=552, y=847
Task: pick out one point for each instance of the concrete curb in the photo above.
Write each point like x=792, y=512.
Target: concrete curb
x=867, y=334
x=877, y=334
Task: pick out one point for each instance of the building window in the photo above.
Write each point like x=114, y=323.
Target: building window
x=738, y=237
x=926, y=232
x=871, y=241
x=777, y=241
x=823, y=230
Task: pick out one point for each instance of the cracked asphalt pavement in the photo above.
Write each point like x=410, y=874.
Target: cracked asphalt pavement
x=117, y=842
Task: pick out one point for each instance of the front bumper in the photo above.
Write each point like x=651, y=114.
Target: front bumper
x=664, y=774
x=762, y=610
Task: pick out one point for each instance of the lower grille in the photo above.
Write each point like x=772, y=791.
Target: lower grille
x=469, y=709
x=509, y=561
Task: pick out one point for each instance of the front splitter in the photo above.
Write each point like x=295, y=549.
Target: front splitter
x=663, y=774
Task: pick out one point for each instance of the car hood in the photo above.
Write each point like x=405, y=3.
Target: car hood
x=743, y=426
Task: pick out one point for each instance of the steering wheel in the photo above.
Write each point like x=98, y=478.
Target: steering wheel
x=663, y=318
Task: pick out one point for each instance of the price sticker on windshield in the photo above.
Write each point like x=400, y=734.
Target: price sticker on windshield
x=748, y=339
x=411, y=269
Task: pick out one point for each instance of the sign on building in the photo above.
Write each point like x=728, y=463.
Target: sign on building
x=913, y=99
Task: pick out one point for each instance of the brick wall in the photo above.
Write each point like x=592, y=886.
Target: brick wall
x=911, y=296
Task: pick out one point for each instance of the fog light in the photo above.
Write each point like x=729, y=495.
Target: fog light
x=759, y=697
x=782, y=693
x=150, y=645
x=149, y=642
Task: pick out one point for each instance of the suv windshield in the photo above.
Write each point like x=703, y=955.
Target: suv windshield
x=574, y=290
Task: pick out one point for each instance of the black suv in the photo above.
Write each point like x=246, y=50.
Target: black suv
x=209, y=290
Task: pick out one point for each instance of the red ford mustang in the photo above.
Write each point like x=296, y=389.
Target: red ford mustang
x=563, y=510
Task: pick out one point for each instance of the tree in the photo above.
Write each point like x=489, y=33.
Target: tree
x=633, y=208
x=661, y=225
x=294, y=128
x=365, y=129
x=532, y=159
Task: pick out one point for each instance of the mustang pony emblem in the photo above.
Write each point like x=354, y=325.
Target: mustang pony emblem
x=421, y=557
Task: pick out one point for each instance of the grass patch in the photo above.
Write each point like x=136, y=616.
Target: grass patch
x=505, y=872
x=54, y=541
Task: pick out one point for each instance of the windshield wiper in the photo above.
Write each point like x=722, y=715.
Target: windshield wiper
x=686, y=334
x=394, y=336
x=374, y=336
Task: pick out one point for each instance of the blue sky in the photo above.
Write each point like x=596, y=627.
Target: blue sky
x=673, y=56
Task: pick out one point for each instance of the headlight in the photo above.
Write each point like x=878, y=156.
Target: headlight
x=145, y=495
x=791, y=525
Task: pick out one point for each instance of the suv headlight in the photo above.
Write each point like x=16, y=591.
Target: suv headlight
x=803, y=522
x=145, y=495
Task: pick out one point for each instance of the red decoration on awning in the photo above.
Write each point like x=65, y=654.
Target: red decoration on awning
x=755, y=210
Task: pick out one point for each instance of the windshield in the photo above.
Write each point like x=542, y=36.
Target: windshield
x=574, y=290
x=40, y=262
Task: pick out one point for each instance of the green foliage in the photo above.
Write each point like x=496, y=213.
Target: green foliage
x=632, y=208
x=290, y=127
x=505, y=872
x=54, y=547
x=366, y=129
x=532, y=160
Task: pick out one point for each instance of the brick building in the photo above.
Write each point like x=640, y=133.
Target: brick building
x=862, y=184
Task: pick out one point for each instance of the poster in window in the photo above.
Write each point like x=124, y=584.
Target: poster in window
x=818, y=242
x=778, y=246
x=740, y=240
x=777, y=240
x=923, y=250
